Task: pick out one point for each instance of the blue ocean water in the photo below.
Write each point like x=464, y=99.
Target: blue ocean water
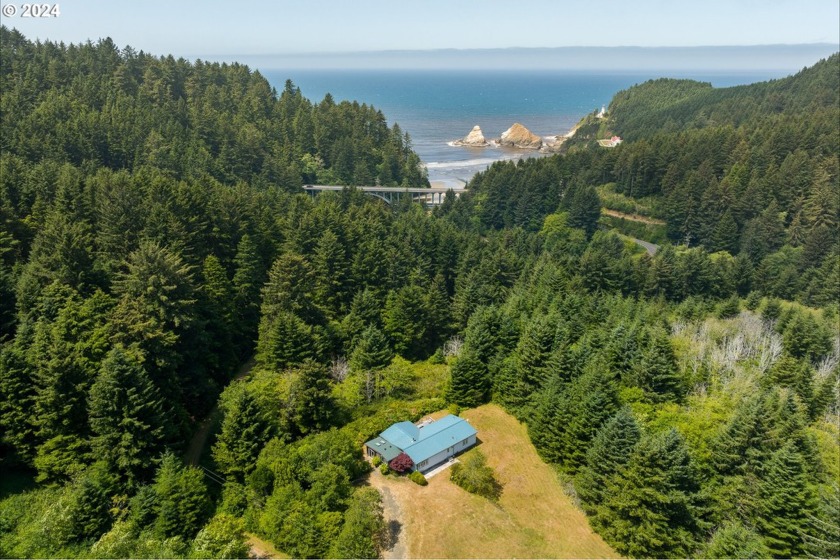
x=436, y=107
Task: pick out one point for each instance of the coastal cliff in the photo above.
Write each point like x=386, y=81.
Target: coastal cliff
x=518, y=136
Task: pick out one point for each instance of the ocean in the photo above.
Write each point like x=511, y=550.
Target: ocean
x=437, y=107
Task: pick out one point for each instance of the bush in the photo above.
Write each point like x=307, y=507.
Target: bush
x=454, y=409
x=418, y=478
x=377, y=460
x=729, y=308
x=476, y=477
x=383, y=468
x=401, y=463
x=438, y=357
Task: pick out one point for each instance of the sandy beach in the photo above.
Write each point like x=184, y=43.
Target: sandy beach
x=454, y=184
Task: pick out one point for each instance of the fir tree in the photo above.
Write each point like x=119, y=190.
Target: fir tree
x=650, y=507
x=126, y=416
x=363, y=533
x=822, y=537
x=609, y=452
x=182, y=504
x=585, y=210
x=244, y=433
x=786, y=501
x=371, y=351
x=248, y=278
x=735, y=540
x=470, y=382
x=657, y=370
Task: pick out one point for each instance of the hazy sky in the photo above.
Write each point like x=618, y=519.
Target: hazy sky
x=204, y=28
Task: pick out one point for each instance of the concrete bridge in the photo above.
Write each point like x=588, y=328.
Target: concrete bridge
x=391, y=195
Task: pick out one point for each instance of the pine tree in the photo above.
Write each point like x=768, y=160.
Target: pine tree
x=371, y=351
x=363, y=533
x=330, y=265
x=609, y=452
x=244, y=433
x=17, y=395
x=248, y=278
x=585, y=210
x=786, y=501
x=470, y=381
x=822, y=537
x=735, y=540
x=534, y=350
x=126, y=416
x=593, y=400
x=657, y=370
x=797, y=375
x=182, y=504
x=405, y=321
x=65, y=354
x=284, y=341
x=219, y=313
x=650, y=507
x=311, y=403
x=725, y=234
x=156, y=312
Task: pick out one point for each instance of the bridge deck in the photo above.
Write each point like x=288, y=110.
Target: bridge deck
x=432, y=190
x=429, y=197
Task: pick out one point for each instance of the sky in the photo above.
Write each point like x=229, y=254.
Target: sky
x=211, y=28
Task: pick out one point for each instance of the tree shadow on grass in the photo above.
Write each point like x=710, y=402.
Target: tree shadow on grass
x=392, y=534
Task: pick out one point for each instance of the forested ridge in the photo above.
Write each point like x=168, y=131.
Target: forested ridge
x=154, y=236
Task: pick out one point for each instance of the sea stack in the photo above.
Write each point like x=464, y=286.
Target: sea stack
x=518, y=136
x=474, y=139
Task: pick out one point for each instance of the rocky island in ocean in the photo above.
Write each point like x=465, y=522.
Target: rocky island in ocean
x=518, y=136
x=475, y=139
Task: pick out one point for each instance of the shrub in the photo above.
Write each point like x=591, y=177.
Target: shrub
x=454, y=409
x=438, y=357
x=383, y=468
x=401, y=463
x=729, y=308
x=377, y=460
x=418, y=478
x=476, y=477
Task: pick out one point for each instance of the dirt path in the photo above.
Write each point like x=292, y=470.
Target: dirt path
x=199, y=440
x=632, y=217
x=398, y=545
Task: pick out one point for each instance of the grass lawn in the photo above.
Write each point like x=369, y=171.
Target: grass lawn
x=533, y=518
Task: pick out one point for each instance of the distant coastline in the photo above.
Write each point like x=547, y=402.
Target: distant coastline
x=437, y=107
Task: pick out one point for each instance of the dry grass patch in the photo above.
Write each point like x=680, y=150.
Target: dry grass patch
x=533, y=518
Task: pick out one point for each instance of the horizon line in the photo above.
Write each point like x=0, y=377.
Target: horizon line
x=489, y=49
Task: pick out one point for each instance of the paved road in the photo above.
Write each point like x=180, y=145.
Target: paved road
x=651, y=248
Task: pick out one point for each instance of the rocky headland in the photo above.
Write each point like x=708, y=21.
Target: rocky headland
x=475, y=139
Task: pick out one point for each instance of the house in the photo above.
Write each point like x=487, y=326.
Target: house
x=610, y=142
x=427, y=445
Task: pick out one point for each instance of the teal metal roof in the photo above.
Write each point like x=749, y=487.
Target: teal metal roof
x=402, y=434
x=381, y=446
x=424, y=442
x=439, y=435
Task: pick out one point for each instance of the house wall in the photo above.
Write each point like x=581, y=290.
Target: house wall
x=439, y=458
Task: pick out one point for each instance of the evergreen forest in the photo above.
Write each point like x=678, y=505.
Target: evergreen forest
x=160, y=265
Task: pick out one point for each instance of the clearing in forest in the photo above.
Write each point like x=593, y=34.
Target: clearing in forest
x=533, y=518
